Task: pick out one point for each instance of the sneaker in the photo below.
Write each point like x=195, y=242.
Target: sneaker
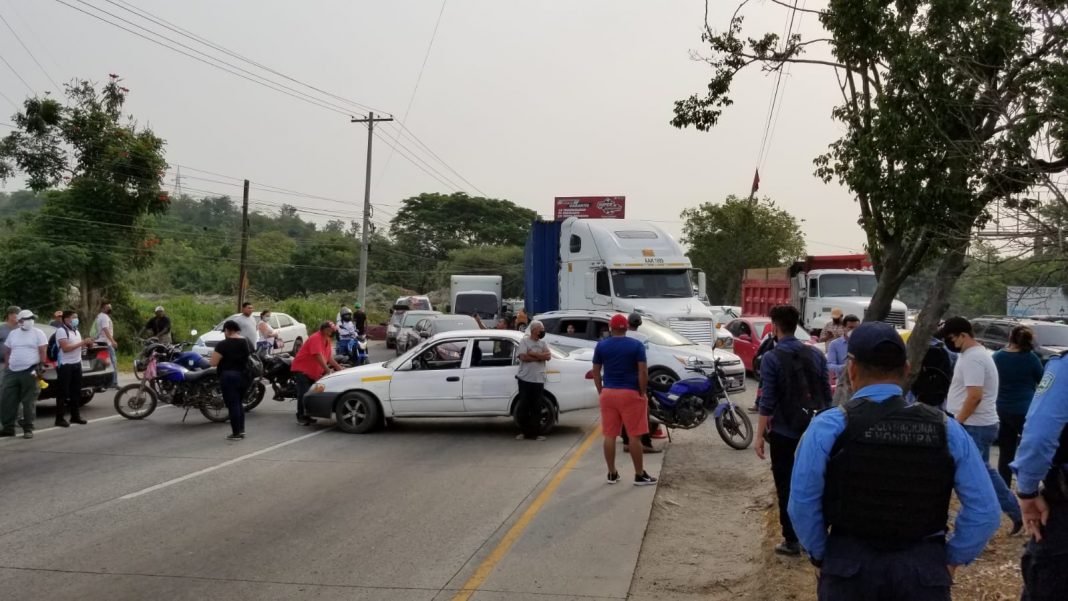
x=613, y=477
x=27, y=434
x=753, y=409
x=235, y=437
x=62, y=423
x=78, y=420
x=793, y=549
x=644, y=480
x=650, y=449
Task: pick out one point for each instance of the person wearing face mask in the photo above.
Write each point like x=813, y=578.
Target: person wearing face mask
x=837, y=357
x=69, y=369
x=105, y=334
x=834, y=328
x=24, y=350
x=346, y=334
x=533, y=353
x=268, y=340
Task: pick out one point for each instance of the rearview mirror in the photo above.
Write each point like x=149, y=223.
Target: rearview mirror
x=192, y=332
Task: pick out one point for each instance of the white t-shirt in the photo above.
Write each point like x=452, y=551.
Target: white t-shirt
x=103, y=321
x=24, y=348
x=74, y=336
x=975, y=367
x=248, y=328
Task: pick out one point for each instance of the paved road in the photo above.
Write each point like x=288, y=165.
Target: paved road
x=163, y=509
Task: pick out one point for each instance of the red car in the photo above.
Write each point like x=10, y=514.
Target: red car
x=749, y=331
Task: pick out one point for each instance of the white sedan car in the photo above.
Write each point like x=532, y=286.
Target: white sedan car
x=468, y=373
x=292, y=332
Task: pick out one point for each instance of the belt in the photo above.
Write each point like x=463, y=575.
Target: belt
x=889, y=544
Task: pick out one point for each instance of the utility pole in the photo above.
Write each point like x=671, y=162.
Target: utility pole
x=370, y=121
x=242, y=281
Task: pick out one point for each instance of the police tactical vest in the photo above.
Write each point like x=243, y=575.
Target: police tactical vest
x=890, y=474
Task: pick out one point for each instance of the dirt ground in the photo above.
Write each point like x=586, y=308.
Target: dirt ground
x=714, y=524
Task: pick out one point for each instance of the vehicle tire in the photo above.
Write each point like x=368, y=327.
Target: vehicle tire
x=662, y=376
x=357, y=413
x=135, y=401
x=254, y=396
x=214, y=408
x=735, y=428
x=299, y=342
x=549, y=416
x=86, y=396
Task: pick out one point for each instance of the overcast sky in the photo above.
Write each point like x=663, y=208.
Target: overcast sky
x=526, y=100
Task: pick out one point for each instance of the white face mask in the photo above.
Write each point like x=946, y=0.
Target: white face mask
x=26, y=324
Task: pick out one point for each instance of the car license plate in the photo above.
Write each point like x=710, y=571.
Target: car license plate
x=86, y=365
x=735, y=383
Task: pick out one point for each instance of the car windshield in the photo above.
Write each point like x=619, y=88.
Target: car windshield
x=662, y=335
x=218, y=326
x=649, y=283
x=412, y=317
x=1051, y=334
x=458, y=322
x=847, y=284
x=483, y=303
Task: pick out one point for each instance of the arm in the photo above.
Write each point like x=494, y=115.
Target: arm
x=107, y=334
x=1036, y=368
x=215, y=359
x=971, y=403
x=836, y=358
x=328, y=363
x=1042, y=429
x=825, y=334
x=42, y=352
x=597, y=377
x=807, y=482
x=643, y=379
x=65, y=344
x=166, y=329
x=979, y=515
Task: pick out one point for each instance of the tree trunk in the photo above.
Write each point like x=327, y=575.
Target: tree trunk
x=891, y=276
x=950, y=268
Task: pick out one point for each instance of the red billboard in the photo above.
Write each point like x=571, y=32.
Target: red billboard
x=590, y=207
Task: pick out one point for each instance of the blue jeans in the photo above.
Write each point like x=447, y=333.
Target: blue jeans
x=984, y=436
x=114, y=366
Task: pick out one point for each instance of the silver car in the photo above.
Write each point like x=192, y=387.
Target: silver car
x=404, y=337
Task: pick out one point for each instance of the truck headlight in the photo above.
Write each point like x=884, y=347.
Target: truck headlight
x=725, y=342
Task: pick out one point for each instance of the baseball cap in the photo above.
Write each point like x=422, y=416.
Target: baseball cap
x=25, y=314
x=158, y=309
x=836, y=312
x=618, y=322
x=877, y=343
x=57, y=314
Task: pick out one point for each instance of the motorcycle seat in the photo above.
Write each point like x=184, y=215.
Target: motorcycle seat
x=193, y=376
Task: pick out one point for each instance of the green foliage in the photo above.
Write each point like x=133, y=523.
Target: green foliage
x=726, y=239
x=432, y=225
x=506, y=261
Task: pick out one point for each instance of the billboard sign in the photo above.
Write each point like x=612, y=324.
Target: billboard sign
x=1024, y=301
x=590, y=207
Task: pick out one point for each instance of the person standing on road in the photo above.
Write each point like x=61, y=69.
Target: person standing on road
x=838, y=356
x=931, y=386
x=267, y=337
x=247, y=323
x=11, y=322
x=1019, y=372
x=69, y=370
x=360, y=317
x=834, y=328
x=24, y=352
x=877, y=473
x=767, y=344
x=159, y=327
x=1042, y=459
x=314, y=359
x=231, y=357
x=522, y=321
x=622, y=390
x=634, y=321
x=972, y=401
x=533, y=353
x=105, y=334
x=795, y=386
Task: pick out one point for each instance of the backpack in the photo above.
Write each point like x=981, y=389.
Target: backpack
x=52, y=351
x=801, y=385
x=936, y=373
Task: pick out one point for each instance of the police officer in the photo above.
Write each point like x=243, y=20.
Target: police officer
x=1043, y=458
x=878, y=473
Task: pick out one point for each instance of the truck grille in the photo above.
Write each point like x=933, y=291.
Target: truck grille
x=697, y=330
x=897, y=319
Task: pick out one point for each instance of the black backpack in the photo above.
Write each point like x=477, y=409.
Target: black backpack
x=801, y=391
x=52, y=350
x=936, y=373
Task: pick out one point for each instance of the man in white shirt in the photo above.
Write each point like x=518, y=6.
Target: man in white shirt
x=69, y=369
x=248, y=326
x=972, y=401
x=105, y=334
x=24, y=350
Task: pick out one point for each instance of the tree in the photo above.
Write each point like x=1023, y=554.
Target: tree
x=947, y=107
x=111, y=170
x=431, y=225
x=726, y=239
x=324, y=263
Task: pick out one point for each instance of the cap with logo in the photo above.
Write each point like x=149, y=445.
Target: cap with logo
x=159, y=309
x=877, y=343
x=618, y=322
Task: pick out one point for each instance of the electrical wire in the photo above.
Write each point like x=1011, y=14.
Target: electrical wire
x=34, y=58
x=28, y=87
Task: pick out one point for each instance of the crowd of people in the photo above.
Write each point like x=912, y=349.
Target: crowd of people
x=864, y=475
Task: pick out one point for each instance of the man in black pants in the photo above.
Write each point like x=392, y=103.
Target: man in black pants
x=69, y=371
x=794, y=385
x=533, y=353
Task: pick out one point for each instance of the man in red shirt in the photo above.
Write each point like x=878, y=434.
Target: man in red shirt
x=313, y=360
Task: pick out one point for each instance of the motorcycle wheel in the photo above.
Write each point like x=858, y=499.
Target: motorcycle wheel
x=214, y=408
x=135, y=401
x=735, y=428
x=254, y=395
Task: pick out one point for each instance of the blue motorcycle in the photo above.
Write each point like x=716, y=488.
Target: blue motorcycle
x=351, y=351
x=687, y=403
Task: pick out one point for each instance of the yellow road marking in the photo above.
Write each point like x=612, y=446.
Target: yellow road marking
x=486, y=567
x=376, y=379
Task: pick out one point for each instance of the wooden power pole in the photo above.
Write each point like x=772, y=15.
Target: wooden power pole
x=370, y=121
x=242, y=282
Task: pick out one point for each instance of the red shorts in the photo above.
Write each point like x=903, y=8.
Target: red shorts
x=623, y=407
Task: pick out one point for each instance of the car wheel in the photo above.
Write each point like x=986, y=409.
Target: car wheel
x=87, y=395
x=663, y=376
x=548, y=416
x=299, y=342
x=357, y=413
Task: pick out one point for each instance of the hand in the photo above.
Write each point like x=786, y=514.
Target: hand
x=758, y=446
x=1035, y=514
x=952, y=571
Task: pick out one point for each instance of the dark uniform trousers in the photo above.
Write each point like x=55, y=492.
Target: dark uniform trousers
x=1045, y=565
x=855, y=570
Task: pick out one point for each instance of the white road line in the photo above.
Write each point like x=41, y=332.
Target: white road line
x=92, y=421
x=227, y=463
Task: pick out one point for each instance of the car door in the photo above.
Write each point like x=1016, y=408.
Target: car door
x=432, y=381
x=744, y=344
x=578, y=336
x=284, y=329
x=489, y=380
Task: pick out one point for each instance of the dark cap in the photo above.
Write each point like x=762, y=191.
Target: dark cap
x=877, y=343
x=956, y=325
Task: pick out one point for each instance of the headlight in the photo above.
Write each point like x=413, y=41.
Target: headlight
x=725, y=342
x=318, y=387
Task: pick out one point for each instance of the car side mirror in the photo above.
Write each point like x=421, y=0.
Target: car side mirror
x=192, y=332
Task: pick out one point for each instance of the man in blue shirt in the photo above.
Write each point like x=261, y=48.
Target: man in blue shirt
x=1042, y=458
x=878, y=474
x=794, y=385
x=837, y=353
x=622, y=390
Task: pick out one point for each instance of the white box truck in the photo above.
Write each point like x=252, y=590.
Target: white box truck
x=471, y=294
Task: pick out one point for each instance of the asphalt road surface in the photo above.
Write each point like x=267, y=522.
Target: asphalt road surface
x=427, y=509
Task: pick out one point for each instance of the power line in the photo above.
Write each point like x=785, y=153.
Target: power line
x=778, y=83
x=412, y=135
x=28, y=87
x=35, y=61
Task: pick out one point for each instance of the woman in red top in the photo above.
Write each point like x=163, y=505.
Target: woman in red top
x=314, y=359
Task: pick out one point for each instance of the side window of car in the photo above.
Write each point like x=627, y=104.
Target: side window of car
x=979, y=328
x=997, y=333
x=274, y=322
x=550, y=324
x=574, y=328
x=284, y=321
x=734, y=328
x=600, y=329
x=743, y=329
x=444, y=355
x=493, y=353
